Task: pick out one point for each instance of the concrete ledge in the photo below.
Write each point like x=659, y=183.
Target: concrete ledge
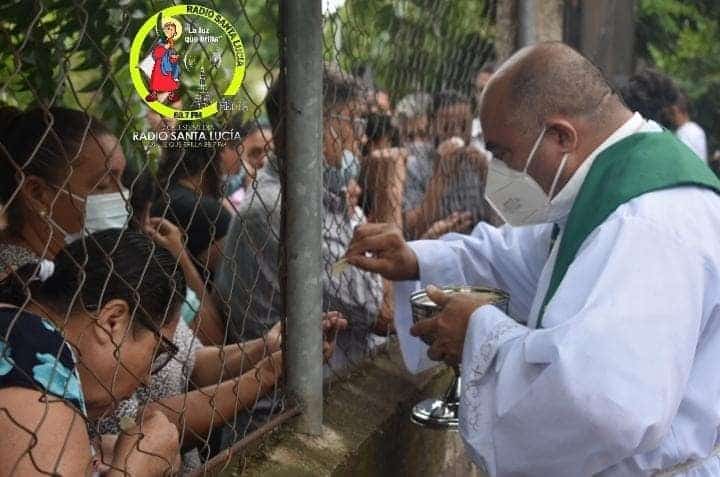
x=367, y=431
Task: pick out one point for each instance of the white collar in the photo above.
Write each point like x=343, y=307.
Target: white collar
x=561, y=204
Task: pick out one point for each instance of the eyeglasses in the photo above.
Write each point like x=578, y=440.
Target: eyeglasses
x=169, y=351
x=359, y=124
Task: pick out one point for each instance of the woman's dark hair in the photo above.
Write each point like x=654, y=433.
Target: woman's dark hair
x=107, y=265
x=244, y=128
x=683, y=103
x=39, y=142
x=143, y=191
x=650, y=93
x=202, y=162
x=380, y=126
x=447, y=98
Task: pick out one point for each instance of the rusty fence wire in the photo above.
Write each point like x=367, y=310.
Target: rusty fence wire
x=141, y=254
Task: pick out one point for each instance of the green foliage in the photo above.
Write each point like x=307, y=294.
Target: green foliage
x=682, y=39
x=75, y=54
x=412, y=45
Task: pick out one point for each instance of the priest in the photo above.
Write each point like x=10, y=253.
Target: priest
x=607, y=361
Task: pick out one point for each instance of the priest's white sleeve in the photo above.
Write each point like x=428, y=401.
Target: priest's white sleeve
x=510, y=258
x=604, y=379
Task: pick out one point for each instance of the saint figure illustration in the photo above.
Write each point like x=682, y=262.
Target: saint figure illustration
x=165, y=61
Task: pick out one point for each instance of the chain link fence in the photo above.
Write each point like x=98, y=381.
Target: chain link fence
x=408, y=141
x=143, y=255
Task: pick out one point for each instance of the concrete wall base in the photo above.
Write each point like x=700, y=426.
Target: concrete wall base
x=367, y=431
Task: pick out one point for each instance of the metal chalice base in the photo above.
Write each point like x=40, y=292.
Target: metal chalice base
x=439, y=413
x=443, y=413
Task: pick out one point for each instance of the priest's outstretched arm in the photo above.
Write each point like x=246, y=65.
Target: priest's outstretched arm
x=503, y=257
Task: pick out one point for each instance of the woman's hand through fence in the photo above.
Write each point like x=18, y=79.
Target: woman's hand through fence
x=150, y=448
x=166, y=234
x=332, y=323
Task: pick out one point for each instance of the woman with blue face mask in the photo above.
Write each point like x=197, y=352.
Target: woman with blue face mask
x=59, y=178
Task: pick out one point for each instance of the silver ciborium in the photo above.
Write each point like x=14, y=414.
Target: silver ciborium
x=443, y=413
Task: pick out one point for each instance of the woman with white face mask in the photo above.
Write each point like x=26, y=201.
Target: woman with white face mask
x=59, y=178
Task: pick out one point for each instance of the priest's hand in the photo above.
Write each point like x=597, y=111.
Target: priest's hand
x=447, y=328
x=381, y=248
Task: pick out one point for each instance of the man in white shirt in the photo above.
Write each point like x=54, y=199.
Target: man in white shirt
x=656, y=96
x=686, y=130
x=607, y=361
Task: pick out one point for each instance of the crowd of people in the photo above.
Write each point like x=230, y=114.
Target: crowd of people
x=141, y=307
x=113, y=356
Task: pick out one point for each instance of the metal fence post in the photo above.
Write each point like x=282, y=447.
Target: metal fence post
x=527, y=18
x=302, y=49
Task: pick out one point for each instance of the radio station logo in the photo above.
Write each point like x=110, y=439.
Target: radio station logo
x=187, y=62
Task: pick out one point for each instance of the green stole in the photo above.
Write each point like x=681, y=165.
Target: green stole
x=636, y=165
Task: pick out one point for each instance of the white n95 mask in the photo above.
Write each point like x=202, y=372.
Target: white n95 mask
x=102, y=211
x=106, y=211
x=516, y=196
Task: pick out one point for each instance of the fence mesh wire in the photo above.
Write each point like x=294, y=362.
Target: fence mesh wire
x=167, y=330
x=409, y=142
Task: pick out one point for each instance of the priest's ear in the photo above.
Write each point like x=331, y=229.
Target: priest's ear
x=563, y=133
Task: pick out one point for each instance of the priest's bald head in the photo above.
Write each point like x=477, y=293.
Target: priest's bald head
x=552, y=92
